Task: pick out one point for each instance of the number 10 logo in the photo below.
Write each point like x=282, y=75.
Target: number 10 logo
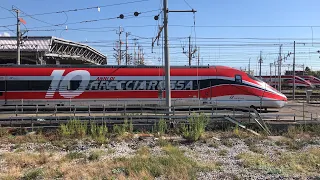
x=62, y=85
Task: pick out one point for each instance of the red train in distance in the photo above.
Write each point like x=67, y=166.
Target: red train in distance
x=133, y=85
x=314, y=80
x=287, y=81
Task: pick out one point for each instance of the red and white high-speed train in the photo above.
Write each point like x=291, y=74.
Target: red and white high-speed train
x=133, y=85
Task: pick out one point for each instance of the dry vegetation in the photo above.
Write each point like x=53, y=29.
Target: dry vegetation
x=93, y=153
x=305, y=162
x=172, y=165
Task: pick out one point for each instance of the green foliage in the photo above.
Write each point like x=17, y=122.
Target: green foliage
x=306, y=162
x=78, y=129
x=75, y=155
x=93, y=156
x=291, y=144
x=223, y=152
x=131, y=126
x=99, y=132
x=312, y=73
x=161, y=128
x=174, y=165
x=315, y=128
x=196, y=127
x=227, y=142
x=121, y=129
x=307, y=69
x=293, y=131
x=256, y=149
x=214, y=144
x=33, y=174
x=74, y=128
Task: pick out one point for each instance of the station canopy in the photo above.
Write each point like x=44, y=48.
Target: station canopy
x=48, y=50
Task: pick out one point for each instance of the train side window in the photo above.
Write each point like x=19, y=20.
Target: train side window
x=205, y=83
x=238, y=78
x=17, y=85
x=39, y=85
x=1, y=93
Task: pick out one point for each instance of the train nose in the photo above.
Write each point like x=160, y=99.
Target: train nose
x=285, y=99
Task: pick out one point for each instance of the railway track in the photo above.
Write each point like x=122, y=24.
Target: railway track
x=301, y=95
x=30, y=117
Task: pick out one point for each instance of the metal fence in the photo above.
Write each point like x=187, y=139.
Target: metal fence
x=24, y=115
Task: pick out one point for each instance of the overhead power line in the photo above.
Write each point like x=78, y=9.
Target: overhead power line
x=31, y=16
x=82, y=9
x=249, y=26
x=93, y=20
x=4, y=26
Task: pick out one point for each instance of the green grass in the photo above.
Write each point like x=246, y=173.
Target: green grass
x=223, y=152
x=161, y=127
x=173, y=165
x=95, y=155
x=196, y=127
x=291, y=144
x=227, y=142
x=74, y=128
x=75, y=155
x=77, y=129
x=121, y=129
x=256, y=149
x=33, y=174
x=99, y=132
x=306, y=162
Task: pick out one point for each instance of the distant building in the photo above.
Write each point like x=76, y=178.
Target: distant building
x=48, y=50
x=298, y=73
x=250, y=72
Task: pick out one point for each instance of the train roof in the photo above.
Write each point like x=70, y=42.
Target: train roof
x=283, y=76
x=106, y=66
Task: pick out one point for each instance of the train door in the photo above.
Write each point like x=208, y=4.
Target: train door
x=213, y=80
x=197, y=86
x=3, y=99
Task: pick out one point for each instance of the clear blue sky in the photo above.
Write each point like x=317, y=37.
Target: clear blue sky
x=214, y=19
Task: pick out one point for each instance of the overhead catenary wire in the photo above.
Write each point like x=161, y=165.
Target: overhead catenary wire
x=82, y=9
x=92, y=20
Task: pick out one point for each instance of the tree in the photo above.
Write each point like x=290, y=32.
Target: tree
x=307, y=70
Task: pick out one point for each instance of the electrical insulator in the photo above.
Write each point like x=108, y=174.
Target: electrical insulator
x=136, y=13
x=121, y=16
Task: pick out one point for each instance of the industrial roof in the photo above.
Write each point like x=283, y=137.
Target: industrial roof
x=53, y=47
x=30, y=44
